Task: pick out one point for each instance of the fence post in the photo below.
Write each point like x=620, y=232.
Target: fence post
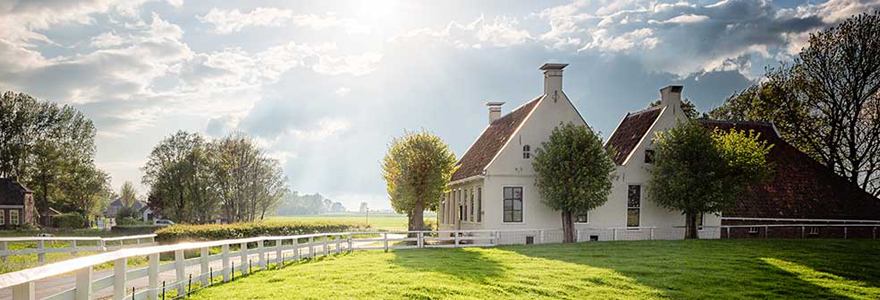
x=243, y=252
x=3, y=249
x=296, y=249
x=102, y=245
x=204, y=260
x=844, y=232
x=803, y=231
x=541, y=236
x=577, y=235
x=455, y=233
x=84, y=284
x=153, y=273
x=766, y=231
x=350, y=246
x=24, y=291
x=652, y=233
x=181, y=269
x=262, y=252
x=728, y=232
x=421, y=241
x=874, y=232
x=385, y=238
x=311, y=247
x=613, y=234
x=224, y=256
x=73, y=246
x=338, y=243
x=279, y=253
x=119, y=267
x=41, y=251
x=324, y=242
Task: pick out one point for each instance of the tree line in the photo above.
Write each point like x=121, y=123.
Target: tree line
x=50, y=148
x=315, y=204
x=826, y=101
x=194, y=180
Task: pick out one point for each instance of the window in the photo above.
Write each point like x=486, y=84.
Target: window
x=633, y=206
x=13, y=217
x=527, y=152
x=582, y=218
x=472, y=206
x=479, y=205
x=513, y=204
x=700, y=221
x=2, y=217
x=649, y=156
x=753, y=230
x=814, y=230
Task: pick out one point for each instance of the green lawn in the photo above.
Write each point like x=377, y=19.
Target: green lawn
x=390, y=222
x=719, y=269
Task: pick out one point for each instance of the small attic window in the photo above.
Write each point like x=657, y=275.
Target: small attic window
x=649, y=156
x=527, y=153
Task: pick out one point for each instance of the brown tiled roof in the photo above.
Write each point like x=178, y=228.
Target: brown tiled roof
x=491, y=141
x=12, y=192
x=630, y=131
x=799, y=186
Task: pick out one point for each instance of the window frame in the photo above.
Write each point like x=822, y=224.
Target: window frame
x=2, y=217
x=522, y=204
x=577, y=217
x=479, y=204
x=471, y=203
x=17, y=219
x=527, y=152
x=814, y=230
x=653, y=156
x=628, y=208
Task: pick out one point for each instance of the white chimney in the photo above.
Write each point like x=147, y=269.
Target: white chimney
x=494, y=110
x=552, y=77
x=671, y=95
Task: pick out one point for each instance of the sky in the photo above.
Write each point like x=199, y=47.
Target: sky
x=323, y=86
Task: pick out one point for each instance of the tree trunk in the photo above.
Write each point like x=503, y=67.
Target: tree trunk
x=416, y=218
x=567, y=227
x=691, y=226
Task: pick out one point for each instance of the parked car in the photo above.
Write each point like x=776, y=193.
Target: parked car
x=162, y=222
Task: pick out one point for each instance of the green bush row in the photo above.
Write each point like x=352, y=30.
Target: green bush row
x=70, y=220
x=134, y=229
x=181, y=233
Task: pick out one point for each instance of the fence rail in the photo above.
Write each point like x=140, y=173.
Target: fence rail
x=74, y=245
x=280, y=249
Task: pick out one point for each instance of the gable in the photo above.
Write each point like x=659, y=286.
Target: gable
x=799, y=187
x=12, y=192
x=491, y=141
x=630, y=132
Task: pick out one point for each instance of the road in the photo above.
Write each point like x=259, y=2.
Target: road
x=51, y=286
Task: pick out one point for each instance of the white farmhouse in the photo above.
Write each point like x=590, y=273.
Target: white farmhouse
x=494, y=187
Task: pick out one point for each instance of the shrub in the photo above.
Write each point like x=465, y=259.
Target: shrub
x=127, y=212
x=130, y=222
x=134, y=229
x=180, y=233
x=68, y=221
x=431, y=224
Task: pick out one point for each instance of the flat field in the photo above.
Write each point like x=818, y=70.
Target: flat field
x=704, y=269
x=378, y=221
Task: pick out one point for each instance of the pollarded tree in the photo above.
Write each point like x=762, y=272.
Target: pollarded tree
x=574, y=173
x=698, y=171
x=416, y=170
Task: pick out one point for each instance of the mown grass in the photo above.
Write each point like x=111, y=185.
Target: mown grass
x=716, y=269
x=20, y=262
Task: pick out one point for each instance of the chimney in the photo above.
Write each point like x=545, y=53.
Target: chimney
x=671, y=95
x=552, y=77
x=494, y=110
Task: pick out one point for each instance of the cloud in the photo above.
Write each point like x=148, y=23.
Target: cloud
x=501, y=32
x=230, y=21
x=356, y=65
x=342, y=91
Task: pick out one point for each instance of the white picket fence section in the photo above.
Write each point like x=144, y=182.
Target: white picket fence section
x=74, y=245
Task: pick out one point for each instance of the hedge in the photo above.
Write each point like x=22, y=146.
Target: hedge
x=181, y=233
x=135, y=229
x=68, y=221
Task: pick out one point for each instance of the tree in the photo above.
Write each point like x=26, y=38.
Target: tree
x=85, y=187
x=171, y=172
x=574, y=173
x=697, y=171
x=416, y=170
x=127, y=194
x=826, y=102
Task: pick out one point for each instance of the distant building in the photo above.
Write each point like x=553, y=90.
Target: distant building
x=117, y=204
x=16, y=204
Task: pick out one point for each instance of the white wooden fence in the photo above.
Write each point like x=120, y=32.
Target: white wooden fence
x=74, y=245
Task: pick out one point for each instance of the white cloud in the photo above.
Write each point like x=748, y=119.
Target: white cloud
x=683, y=19
x=107, y=40
x=229, y=21
x=501, y=32
x=342, y=91
x=356, y=65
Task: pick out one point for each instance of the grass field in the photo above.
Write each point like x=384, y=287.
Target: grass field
x=717, y=269
x=390, y=222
